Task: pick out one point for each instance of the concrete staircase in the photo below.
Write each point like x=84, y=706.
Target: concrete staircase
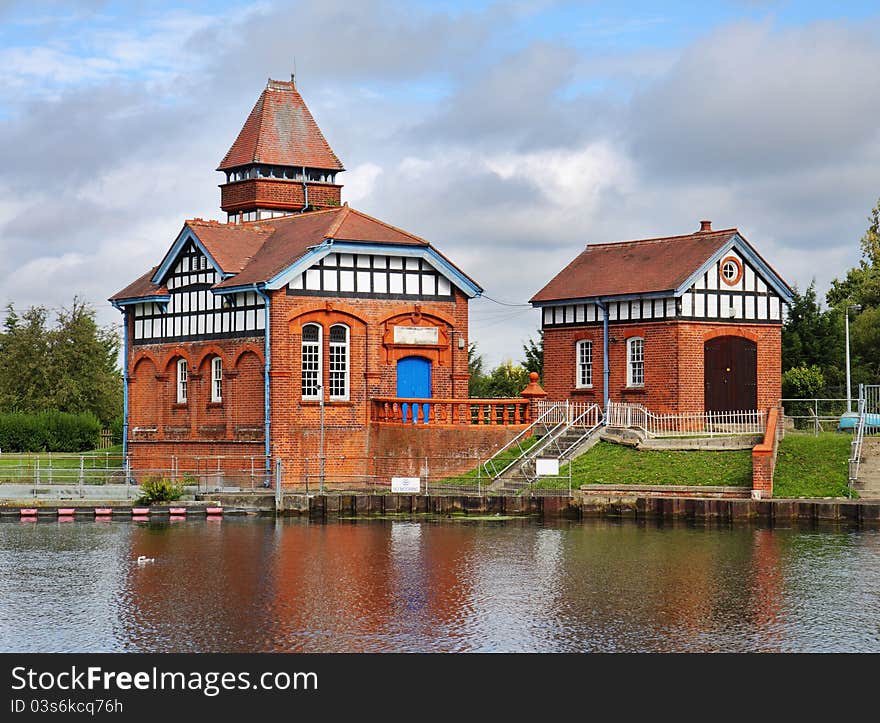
x=868, y=483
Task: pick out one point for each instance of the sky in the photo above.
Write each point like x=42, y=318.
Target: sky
x=509, y=134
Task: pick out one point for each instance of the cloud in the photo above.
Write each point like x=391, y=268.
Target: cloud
x=506, y=147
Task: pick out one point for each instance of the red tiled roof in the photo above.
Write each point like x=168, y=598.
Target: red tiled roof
x=256, y=252
x=281, y=131
x=141, y=288
x=232, y=247
x=634, y=267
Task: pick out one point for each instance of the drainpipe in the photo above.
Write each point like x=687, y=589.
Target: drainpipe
x=605, y=370
x=305, y=193
x=267, y=365
x=125, y=380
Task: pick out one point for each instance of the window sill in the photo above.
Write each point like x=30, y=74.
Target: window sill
x=334, y=403
x=634, y=390
x=214, y=405
x=179, y=405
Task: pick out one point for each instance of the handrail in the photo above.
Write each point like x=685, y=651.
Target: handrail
x=518, y=439
x=513, y=411
x=856, y=446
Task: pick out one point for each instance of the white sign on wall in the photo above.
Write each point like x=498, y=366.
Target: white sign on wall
x=416, y=335
x=406, y=485
x=547, y=467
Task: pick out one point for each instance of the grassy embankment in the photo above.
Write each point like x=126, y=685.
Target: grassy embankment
x=808, y=466
x=21, y=467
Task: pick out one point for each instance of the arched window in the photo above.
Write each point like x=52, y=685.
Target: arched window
x=311, y=361
x=216, y=380
x=339, y=362
x=635, y=362
x=182, y=375
x=584, y=354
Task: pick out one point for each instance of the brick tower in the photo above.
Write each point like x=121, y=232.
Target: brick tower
x=280, y=164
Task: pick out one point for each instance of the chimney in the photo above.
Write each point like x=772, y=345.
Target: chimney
x=705, y=226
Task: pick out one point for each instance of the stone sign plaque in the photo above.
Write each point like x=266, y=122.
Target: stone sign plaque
x=416, y=335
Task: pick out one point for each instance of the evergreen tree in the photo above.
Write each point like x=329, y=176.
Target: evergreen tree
x=534, y=359
x=24, y=350
x=813, y=336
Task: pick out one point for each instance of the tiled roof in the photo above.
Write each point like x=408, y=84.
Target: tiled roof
x=281, y=131
x=634, y=267
x=256, y=252
x=141, y=288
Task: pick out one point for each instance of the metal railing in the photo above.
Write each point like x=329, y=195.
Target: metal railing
x=510, y=453
x=815, y=414
x=686, y=424
x=855, y=457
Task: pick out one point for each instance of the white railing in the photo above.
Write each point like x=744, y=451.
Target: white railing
x=686, y=424
x=581, y=414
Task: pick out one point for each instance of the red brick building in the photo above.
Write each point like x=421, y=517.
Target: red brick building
x=247, y=331
x=682, y=323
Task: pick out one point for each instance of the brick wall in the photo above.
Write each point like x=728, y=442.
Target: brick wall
x=674, y=378
x=276, y=193
x=159, y=427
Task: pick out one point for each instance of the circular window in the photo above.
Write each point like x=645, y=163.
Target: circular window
x=731, y=271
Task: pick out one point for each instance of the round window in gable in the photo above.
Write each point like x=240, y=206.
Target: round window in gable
x=731, y=271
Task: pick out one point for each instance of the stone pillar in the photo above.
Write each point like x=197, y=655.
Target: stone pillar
x=534, y=393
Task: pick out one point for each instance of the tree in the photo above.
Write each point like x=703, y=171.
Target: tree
x=507, y=380
x=70, y=367
x=813, y=336
x=82, y=363
x=477, y=381
x=24, y=349
x=534, y=360
x=803, y=382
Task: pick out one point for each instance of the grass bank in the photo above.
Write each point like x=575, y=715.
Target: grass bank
x=808, y=466
x=616, y=464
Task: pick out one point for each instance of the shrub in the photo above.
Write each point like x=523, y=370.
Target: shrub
x=159, y=489
x=116, y=429
x=50, y=431
x=802, y=382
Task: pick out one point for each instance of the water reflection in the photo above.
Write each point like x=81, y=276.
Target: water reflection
x=241, y=585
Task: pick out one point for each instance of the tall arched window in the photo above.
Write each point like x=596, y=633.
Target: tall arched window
x=182, y=376
x=216, y=380
x=339, y=362
x=311, y=361
x=584, y=353
x=635, y=362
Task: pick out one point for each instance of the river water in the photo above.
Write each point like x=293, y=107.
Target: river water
x=435, y=585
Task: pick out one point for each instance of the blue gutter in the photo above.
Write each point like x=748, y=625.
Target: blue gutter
x=267, y=365
x=125, y=379
x=605, y=370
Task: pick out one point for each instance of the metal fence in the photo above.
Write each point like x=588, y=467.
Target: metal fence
x=686, y=424
x=820, y=414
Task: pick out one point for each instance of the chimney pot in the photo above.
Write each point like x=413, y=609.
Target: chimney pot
x=705, y=225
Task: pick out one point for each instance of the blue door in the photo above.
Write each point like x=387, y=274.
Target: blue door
x=414, y=382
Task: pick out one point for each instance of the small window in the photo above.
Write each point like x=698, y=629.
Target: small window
x=635, y=362
x=339, y=362
x=182, y=375
x=584, y=350
x=311, y=361
x=731, y=271
x=216, y=379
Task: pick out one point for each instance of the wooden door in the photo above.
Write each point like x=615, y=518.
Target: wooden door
x=730, y=368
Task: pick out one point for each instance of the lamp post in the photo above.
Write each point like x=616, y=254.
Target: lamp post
x=854, y=307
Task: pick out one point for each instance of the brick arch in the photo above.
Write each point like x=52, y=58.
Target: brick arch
x=209, y=352
x=730, y=331
x=404, y=313
x=144, y=392
x=141, y=355
x=320, y=312
x=247, y=348
x=177, y=352
x=249, y=388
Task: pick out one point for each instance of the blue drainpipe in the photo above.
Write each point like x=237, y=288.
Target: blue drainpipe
x=605, y=370
x=267, y=356
x=124, y=380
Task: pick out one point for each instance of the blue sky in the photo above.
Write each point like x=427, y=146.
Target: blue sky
x=509, y=134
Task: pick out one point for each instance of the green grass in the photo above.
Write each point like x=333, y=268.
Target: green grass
x=469, y=478
x=20, y=466
x=615, y=464
x=808, y=466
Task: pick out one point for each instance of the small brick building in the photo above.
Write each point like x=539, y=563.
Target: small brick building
x=682, y=323
x=247, y=332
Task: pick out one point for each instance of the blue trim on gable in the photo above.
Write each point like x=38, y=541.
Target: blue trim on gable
x=744, y=248
x=186, y=234
x=141, y=300
x=427, y=253
x=604, y=297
